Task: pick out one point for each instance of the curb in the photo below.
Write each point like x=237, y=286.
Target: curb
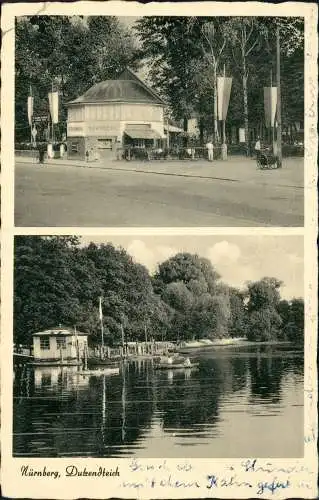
x=153, y=172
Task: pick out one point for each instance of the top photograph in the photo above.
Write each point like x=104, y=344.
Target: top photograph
x=159, y=121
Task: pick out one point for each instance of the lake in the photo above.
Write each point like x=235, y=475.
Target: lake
x=241, y=402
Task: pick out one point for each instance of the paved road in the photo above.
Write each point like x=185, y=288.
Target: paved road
x=56, y=195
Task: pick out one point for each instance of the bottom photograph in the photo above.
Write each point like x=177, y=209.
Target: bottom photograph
x=158, y=346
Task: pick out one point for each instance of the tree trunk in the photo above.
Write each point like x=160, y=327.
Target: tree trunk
x=185, y=127
x=201, y=131
x=245, y=107
x=215, y=104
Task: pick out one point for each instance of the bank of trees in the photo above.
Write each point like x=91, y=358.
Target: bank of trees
x=186, y=54
x=59, y=281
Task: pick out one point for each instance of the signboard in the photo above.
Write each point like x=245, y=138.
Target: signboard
x=223, y=95
x=192, y=126
x=270, y=105
x=42, y=118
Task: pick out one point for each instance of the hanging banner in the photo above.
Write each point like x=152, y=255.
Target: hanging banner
x=241, y=133
x=54, y=106
x=34, y=132
x=223, y=95
x=270, y=105
x=30, y=109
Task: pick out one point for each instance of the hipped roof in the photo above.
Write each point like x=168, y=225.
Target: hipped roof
x=59, y=331
x=128, y=87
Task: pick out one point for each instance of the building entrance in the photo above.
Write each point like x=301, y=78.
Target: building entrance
x=105, y=148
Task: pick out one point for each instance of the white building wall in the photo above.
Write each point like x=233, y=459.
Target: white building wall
x=54, y=352
x=110, y=119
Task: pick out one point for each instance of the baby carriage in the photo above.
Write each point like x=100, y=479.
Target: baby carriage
x=266, y=159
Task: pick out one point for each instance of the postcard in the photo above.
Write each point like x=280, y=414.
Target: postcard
x=158, y=251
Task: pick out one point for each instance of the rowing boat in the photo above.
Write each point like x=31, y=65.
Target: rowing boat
x=174, y=366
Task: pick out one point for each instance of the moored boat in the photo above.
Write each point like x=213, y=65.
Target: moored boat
x=104, y=371
x=175, y=366
x=97, y=361
x=174, y=362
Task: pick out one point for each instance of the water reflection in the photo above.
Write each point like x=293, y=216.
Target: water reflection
x=146, y=412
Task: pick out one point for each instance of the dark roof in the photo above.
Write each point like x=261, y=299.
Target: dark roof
x=59, y=331
x=127, y=88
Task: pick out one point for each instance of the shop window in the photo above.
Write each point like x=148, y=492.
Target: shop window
x=44, y=343
x=61, y=343
x=139, y=143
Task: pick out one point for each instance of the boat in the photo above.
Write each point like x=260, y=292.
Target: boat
x=175, y=366
x=204, y=345
x=98, y=373
x=96, y=361
x=72, y=362
x=174, y=362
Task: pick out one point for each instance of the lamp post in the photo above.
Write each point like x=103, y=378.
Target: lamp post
x=279, y=133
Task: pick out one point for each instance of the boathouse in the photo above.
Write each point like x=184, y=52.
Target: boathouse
x=59, y=345
x=114, y=114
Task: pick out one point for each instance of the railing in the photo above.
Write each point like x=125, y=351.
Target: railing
x=130, y=349
x=177, y=153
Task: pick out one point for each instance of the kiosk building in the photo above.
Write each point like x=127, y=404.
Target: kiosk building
x=113, y=114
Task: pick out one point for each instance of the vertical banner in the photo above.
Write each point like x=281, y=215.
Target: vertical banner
x=241, y=133
x=100, y=309
x=54, y=106
x=223, y=95
x=270, y=105
x=34, y=134
x=30, y=109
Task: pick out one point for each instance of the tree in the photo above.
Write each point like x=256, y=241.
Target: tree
x=264, y=324
x=44, y=287
x=238, y=314
x=263, y=300
x=70, y=54
x=292, y=315
x=189, y=284
x=215, y=35
x=245, y=39
x=170, y=46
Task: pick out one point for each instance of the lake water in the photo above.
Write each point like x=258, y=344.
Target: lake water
x=239, y=403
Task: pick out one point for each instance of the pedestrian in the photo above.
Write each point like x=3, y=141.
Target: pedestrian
x=210, y=150
x=258, y=147
x=61, y=150
x=87, y=154
x=41, y=149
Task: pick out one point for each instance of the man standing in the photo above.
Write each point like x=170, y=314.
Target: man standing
x=210, y=150
x=258, y=147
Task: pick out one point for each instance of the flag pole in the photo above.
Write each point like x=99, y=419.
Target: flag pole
x=224, y=121
x=31, y=120
x=279, y=148
x=272, y=126
x=101, y=320
x=52, y=114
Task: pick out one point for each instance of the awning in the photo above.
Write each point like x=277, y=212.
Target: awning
x=142, y=133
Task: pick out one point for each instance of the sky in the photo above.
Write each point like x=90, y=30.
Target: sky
x=238, y=259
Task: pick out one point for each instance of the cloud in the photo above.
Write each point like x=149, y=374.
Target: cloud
x=150, y=258
x=224, y=251
x=295, y=259
x=141, y=253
